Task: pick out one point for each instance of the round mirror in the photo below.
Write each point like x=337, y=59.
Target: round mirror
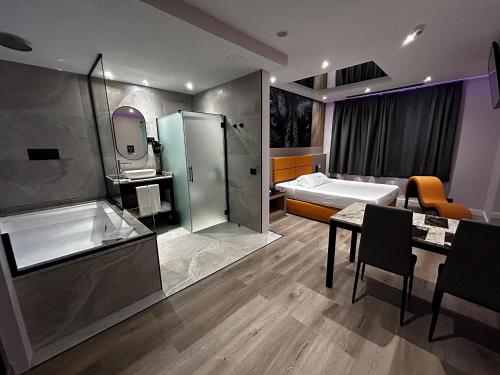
x=130, y=133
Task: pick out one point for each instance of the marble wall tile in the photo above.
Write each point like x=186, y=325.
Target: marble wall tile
x=45, y=108
x=152, y=103
x=240, y=101
x=64, y=299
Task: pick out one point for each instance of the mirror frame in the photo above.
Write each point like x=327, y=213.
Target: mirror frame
x=128, y=107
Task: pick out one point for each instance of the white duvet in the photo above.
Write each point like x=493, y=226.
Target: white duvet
x=340, y=193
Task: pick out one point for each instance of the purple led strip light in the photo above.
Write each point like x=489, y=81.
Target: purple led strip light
x=410, y=88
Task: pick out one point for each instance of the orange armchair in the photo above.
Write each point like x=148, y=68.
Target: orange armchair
x=430, y=193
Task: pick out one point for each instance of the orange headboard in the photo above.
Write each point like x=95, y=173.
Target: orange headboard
x=286, y=168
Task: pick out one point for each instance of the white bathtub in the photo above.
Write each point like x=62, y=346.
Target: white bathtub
x=42, y=237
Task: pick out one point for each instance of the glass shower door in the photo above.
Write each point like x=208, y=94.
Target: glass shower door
x=206, y=169
x=173, y=159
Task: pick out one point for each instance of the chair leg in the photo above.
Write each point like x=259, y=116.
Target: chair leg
x=355, y=282
x=436, y=306
x=403, y=301
x=410, y=287
x=363, y=271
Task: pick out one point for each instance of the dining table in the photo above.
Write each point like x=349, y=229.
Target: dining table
x=430, y=233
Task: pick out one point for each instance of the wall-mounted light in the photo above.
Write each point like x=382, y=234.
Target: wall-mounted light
x=324, y=97
x=325, y=64
x=145, y=82
x=427, y=79
x=109, y=75
x=189, y=86
x=272, y=79
x=367, y=90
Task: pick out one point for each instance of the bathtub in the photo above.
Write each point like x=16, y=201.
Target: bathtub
x=38, y=239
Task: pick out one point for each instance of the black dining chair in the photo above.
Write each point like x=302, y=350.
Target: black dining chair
x=471, y=270
x=386, y=240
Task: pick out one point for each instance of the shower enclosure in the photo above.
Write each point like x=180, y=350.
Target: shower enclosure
x=195, y=153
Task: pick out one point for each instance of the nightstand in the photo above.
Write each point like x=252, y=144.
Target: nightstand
x=277, y=205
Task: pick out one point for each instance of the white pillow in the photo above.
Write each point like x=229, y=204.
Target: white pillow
x=312, y=180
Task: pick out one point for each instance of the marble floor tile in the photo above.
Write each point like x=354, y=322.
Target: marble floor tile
x=186, y=258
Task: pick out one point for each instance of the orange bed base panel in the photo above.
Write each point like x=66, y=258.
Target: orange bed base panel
x=314, y=211
x=310, y=210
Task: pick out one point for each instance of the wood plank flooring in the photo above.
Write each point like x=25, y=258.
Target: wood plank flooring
x=270, y=313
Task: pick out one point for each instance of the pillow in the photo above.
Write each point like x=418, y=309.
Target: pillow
x=312, y=180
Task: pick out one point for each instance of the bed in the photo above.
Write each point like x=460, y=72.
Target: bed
x=324, y=197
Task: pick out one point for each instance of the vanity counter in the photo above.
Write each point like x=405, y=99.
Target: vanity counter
x=122, y=181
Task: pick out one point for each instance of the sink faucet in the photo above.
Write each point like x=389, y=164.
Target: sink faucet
x=120, y=163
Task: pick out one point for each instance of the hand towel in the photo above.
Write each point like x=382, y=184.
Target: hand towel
x=154, y=197
x=143, y=202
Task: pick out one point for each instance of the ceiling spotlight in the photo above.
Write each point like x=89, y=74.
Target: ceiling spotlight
x=273, y=79
x=411, y=37
x=427, y=79
x=282, y=33
x=324, y=97
x=145, y=82
x=14, y=42
x=367, y=90
x=189, y=86
x=325, y=64
x=109, y=75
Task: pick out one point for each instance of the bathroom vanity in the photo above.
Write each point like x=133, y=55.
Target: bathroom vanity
x=128, y=197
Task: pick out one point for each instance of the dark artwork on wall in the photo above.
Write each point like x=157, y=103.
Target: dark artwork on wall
x=291, y=119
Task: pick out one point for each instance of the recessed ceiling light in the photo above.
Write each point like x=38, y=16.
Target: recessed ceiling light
x=428, y=79
x=412, y=36
x=109, y=75
x=145, y=82
x=189, y=86
x=61, y=60
x=282, y=33
x=325, y=64
x=368, y=89
x=324, y=97
x=272, y=79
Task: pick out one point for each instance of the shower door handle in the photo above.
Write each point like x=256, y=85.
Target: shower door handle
x=191, y=174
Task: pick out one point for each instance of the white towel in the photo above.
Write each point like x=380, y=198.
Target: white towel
x=142, y=193
x=154, y=197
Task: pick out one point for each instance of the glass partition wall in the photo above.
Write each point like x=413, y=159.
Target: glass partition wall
x=102, y=118
x=114, y=180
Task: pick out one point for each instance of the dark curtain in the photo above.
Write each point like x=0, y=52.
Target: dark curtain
x=358, y=73
x=397, y=135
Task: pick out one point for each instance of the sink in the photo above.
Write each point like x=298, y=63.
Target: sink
x=136, y=174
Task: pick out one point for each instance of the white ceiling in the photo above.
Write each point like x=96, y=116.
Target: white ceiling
x=137, y=41
x=455, y=42
x=141, y=42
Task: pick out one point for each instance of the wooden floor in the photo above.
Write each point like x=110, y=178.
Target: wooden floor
x=270, y=313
